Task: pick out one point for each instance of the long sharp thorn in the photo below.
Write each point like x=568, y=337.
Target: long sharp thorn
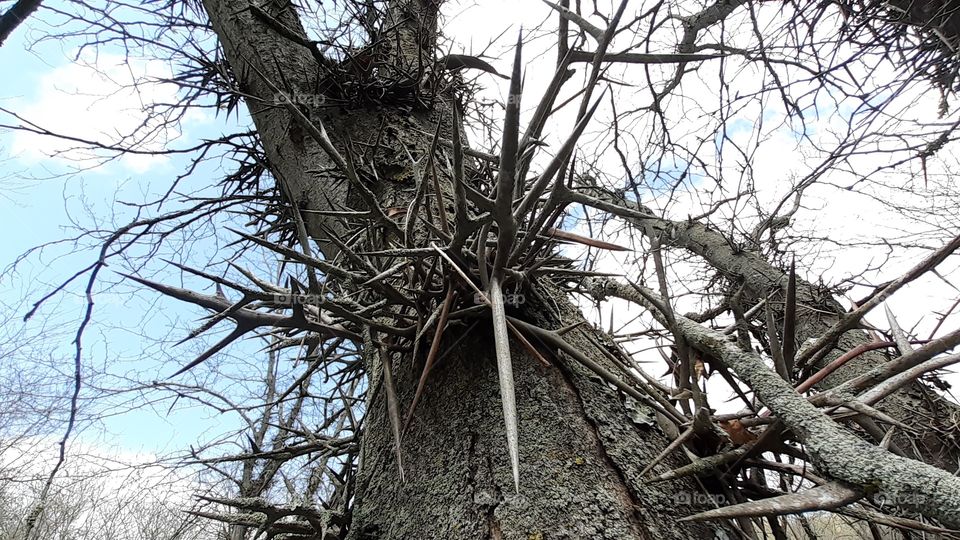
x=666, y=451
x=324, y=266
x=202, y=328
x=431, y=357
x=505, y=374
x=215, y=319
x=527, y=345
x=775, y=350
x=828, y=496
x=393, y=407
x=239, y=331
x=790, y=319
x=204, y=300
x=459, y=189
x=899, y=336
x=867, y=410
x=511, y=133
x=216, y=279
x=576, y=238
x=554, y=166
x=503, y=210
x=388, y=272
x=703, y=466
x=539, y=119
x=460, y=272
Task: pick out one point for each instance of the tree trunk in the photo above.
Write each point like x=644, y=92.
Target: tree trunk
x=933, y=416
x=937, y=441
x=580, y=454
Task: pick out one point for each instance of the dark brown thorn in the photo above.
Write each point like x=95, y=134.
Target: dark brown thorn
x=775, y=350
x=322, y=265
x=571, y=237
x=239, y=331
x=431, y=356
x=214, y=278
x=212, y=321
x=790, y=320
x=700, y=467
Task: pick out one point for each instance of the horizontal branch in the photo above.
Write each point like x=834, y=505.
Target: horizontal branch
x=644, y=58
x=836, y=452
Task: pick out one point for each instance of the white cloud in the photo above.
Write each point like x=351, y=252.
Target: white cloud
x=101, y=99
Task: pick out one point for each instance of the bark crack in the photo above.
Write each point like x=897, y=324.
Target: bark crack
x=623, y=480
x=494, y=531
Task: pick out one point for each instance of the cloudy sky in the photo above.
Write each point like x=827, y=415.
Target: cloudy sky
x=49, y=185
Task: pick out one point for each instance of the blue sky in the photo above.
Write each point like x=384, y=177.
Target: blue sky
x=40, y=196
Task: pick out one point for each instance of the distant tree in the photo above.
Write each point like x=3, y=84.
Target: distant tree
x=95, y=500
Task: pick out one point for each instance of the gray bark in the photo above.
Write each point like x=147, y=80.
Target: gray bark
x=835, y=451
x=817, y=311
x=580, y=455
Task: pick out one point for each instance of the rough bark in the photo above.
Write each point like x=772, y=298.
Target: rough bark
x=580, y=456
x=580, y=453
x=817, y=311
x=936, y=418
x=835, y=451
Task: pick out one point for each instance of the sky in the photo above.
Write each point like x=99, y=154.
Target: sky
x=45, y=186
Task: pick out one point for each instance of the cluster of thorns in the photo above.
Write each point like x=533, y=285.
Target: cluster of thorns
x=441, y=270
